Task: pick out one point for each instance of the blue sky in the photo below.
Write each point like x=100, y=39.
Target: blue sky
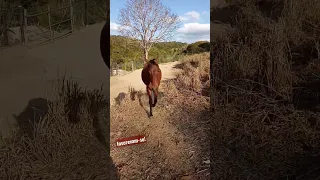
x=194, y=16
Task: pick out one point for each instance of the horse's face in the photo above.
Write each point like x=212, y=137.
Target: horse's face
x=155, y=70
x=154, y=67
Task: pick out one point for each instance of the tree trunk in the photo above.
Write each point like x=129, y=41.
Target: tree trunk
x=145, y=55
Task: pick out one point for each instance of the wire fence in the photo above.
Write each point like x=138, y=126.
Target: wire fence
x=118, y=69
x=124, y=68
x=9, y=17
x=29, y=21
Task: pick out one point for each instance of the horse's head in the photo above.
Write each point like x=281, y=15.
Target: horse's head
x=154, y=68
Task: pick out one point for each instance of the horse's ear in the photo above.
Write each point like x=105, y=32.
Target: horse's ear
x=156, y=60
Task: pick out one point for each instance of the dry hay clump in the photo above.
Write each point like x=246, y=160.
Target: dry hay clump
x=195, y=74
x=263, y=70
x=68, y=143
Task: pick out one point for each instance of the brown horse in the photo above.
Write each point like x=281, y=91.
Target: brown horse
x=105, y=43
x=151, y=76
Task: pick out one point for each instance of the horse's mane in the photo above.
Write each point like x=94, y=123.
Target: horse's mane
x=153, y=61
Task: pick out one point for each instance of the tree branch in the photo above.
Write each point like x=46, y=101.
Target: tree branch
x=149, y=21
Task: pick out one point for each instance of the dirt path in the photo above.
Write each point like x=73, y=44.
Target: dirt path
x=177, y=144
x=121, y=84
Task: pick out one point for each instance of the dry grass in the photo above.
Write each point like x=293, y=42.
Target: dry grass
x=195, y=74
x=70, y=142
x=177, y=135
x=266, y=95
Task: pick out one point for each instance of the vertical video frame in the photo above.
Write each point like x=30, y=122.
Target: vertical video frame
x=265, y=95
x=159, y=89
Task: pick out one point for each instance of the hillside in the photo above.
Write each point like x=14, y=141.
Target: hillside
x=124, y=49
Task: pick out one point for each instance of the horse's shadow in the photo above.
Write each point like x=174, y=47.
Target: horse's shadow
x=32, y=114
x=133, y=93
x=120, y=98
x=140, y=95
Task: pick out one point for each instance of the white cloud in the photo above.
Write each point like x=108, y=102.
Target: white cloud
x=192, y=32
x=190, y=16
x=189, y=32
x=114, y=26
x=195, y=28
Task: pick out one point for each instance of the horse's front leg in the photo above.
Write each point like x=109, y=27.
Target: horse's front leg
x=155, y=93
x=150, y=100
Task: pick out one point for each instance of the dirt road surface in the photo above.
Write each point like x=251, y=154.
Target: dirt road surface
x=26, y=74
x=121, y=84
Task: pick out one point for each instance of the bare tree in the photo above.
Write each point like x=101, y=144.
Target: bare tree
x=149, y=21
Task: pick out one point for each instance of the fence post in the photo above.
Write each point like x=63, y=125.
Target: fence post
x=22, y=40
x=111, y=69
x=5, y=28
x=49, y=21
x=71, y=15
x=117, y=71
x=86, y=13
x=132, y=69
x=25, y=24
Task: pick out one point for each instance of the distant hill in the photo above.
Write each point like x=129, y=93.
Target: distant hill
x=198, y=47
x=126, y=49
